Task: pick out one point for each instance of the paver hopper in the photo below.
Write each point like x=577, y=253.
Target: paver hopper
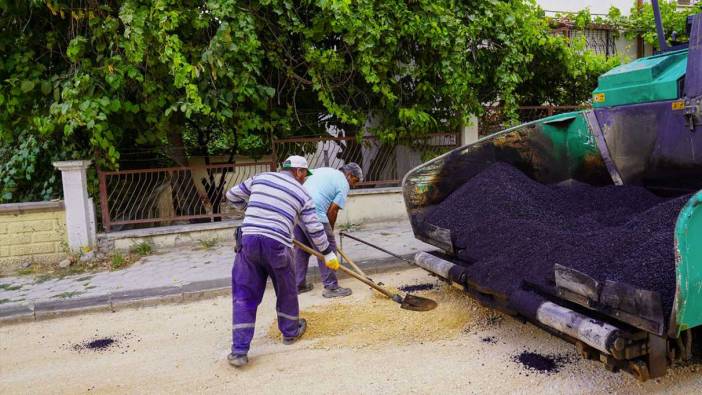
x=645, y=129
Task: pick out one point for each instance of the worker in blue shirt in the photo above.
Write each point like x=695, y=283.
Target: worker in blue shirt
x=328, y=189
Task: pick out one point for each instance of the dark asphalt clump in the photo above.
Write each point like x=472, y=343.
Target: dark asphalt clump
x=511, y=230
x=101, y=344
x=417, y=287
x=541, y=363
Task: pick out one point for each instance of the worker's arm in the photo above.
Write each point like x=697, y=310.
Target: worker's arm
x=239, y=195
x=332, y=214
x=316, y=234
x=338, y=203
x=313, y=228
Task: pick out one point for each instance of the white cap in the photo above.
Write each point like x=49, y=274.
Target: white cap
x=296, y=162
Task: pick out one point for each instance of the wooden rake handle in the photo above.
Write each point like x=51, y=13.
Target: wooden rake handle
x=347, y=271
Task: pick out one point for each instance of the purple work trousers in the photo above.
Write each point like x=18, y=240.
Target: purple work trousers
x=259, y=258
x=302, y=259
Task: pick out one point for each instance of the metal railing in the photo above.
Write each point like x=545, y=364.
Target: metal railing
x=599, y=38
x=165, y=196
x=493, y=119
x=173, y=195
x=383, y=163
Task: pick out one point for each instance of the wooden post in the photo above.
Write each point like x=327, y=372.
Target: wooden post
x=274, y=162
x=639, y=40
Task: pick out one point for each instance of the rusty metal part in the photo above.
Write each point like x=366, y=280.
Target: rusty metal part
x=163, y=195
x=637, y=307
x=640, y=370
x=594, y=126
x=417, y=303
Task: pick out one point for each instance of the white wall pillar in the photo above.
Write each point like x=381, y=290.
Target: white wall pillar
x=469, y=134
x=80, y=215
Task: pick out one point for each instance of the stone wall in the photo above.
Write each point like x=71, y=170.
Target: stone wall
x=31, y=232
x=373, y=205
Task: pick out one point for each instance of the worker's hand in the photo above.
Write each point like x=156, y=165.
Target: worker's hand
x=331, y=261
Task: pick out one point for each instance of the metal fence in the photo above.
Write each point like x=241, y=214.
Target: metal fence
x=165, y=196
x=383, y=163
x=493, y=119
x=600, y=41
x=174, y=195
x=599, y=38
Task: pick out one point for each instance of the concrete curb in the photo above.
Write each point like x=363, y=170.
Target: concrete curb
x=123, y=299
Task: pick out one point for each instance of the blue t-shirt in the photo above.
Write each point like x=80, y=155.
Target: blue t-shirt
x=326, y=186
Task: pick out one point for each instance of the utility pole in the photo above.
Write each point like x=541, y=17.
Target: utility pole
x=639, y=39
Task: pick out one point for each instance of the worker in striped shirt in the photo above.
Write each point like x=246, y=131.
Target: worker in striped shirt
x=273, y=203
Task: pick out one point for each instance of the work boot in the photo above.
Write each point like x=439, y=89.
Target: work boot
x=237, y=360
x=338, y=292
x=301, y=328
x=307, y=287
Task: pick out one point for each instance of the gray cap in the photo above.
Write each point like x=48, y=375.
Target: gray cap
x=353, y=169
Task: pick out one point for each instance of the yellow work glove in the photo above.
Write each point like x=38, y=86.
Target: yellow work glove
x=331, y=261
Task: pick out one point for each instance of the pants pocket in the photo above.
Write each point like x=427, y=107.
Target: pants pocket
x=280, y=257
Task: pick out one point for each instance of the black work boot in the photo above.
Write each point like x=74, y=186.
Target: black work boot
x=237, y=360
x=301, y=328
x=307, y=287
x=338, y=292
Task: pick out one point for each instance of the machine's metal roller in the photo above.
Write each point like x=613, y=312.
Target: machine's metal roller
x=597, y=334
x=434, y=264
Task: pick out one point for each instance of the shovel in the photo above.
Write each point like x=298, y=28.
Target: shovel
x=354, y=266
x=409, y=302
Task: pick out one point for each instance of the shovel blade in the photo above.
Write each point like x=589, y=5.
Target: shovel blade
x=417, y=303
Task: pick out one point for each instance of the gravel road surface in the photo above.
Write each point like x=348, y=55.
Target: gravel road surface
x=182, y=348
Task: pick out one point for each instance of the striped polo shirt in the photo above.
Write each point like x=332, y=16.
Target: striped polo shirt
x=274, y=203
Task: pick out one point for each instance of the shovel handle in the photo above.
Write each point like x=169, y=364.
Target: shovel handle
x=352, y=263
x=347, y=271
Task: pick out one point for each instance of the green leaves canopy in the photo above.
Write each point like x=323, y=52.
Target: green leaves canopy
x=93, y=79
x=641, y=22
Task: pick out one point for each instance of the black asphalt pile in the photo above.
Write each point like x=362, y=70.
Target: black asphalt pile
x=416, y=287
x=541, y=363
x=511, y=230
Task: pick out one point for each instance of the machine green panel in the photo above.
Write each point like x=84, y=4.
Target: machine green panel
x=570, y=130
x=644, y=80
x=688, y=272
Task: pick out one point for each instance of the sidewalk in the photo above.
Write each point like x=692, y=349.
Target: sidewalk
x=177, y=275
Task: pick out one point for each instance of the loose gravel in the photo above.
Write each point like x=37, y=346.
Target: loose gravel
x=34, y=360
x=377, y=320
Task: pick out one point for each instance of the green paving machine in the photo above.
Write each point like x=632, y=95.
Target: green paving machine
x=645, y=128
